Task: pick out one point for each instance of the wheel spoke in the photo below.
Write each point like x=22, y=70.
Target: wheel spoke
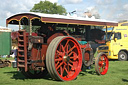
x=62, y=48
x=71, y=49
x=66, y=44
x=58, y=59
x=59, y=53
x=61, y=71
x=74, y=58
x=102, y=58
x=71, y=57
x=102, y=68
x=71, y=61
x=70, y=65
x=66, y=71
x=59, y=65
x=105, y=59
x=99, y=69
x=67, y=48
x=70, y=53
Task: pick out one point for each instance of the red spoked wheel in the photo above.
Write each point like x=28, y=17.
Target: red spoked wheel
x=64, y=58
x=101, y=64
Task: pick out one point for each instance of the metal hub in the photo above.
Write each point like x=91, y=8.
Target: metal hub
x=122, y=56
x=104, y=64
x=66, y=58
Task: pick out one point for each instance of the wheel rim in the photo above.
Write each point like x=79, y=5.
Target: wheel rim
x=122, y=56
x=69, y=56
x=64, y=60
x=103, y=64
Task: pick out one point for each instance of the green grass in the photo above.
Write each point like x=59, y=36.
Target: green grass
x=7, y=58
x=116, y=75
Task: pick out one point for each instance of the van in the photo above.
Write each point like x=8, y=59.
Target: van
x=116, y=46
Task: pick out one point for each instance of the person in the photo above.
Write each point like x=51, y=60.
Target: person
x=97, y=35
x=77, y=31
x=46, y=31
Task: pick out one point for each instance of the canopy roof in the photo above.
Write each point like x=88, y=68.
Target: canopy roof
x=54, y=18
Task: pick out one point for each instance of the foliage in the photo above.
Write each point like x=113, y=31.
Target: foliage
x=49, y=8
x=34, y=28
x=117, y=75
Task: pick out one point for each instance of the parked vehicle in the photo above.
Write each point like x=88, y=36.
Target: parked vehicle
x=116, y=45
x=60, y=46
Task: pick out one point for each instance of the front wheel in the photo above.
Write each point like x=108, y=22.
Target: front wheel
x=122, y=56
x=101, y=63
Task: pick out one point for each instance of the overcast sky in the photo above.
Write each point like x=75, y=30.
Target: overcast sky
x=108, y=9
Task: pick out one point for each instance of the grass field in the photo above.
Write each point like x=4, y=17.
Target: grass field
x=116, y=75
x=7, y=58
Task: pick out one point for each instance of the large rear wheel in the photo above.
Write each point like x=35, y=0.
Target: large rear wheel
x=64, y=58
x=101, y=64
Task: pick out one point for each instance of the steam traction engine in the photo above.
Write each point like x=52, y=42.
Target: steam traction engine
x=57, y=52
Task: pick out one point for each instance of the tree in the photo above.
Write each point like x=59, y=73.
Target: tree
x=49, y=8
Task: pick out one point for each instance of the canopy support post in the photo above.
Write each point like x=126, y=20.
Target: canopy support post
x=30, y=28
x=19, y=25
x=6, y=23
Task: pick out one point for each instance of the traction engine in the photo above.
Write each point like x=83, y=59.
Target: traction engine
x=59, y=46
x=62, y=56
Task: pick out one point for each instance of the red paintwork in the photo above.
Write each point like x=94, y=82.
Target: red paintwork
x=34, y=52
x=43, y=51
x=54, y=36
x=34, y=55
x=22, y=50
x=103, y=69
x=85, y=46
x=75, y=55
x=14, y=35
x=33, y=34
x=86, y=56
x=88, y=48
